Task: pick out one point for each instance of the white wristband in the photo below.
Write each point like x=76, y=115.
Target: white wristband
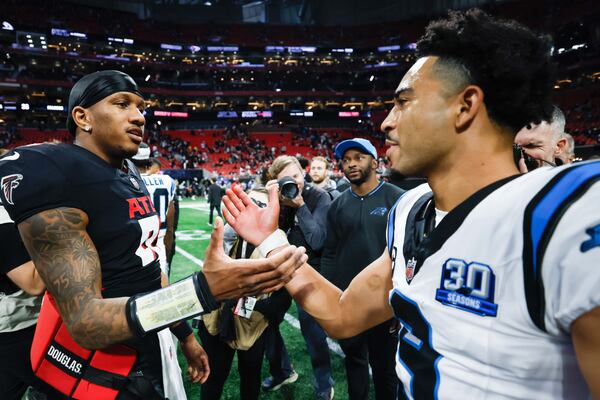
x=273, y=241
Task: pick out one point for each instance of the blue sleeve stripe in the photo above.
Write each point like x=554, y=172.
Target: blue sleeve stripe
x=546, y=209
x=542, y=215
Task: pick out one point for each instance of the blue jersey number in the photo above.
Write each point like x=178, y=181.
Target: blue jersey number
x=415, y=351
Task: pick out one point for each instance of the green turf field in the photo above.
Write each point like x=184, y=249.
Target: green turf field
x=192, y=238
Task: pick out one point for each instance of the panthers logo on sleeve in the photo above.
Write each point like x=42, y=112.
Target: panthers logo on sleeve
x=593, y=241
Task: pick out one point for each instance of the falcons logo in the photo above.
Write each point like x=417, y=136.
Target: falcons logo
x=9, y=183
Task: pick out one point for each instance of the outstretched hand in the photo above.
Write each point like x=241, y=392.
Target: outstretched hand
x=230, y=278
x=251, y=222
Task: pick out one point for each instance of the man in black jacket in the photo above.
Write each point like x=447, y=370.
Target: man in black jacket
x=303, y=218
x=355, y=237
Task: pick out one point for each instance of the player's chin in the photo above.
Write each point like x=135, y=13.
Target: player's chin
x=129, y=149
x=357, y=179
x=400, y=168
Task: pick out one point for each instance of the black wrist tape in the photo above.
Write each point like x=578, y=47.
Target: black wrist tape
x=182, y=330
x=209, y=303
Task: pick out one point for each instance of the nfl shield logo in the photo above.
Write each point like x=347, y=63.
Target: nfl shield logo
x=134, y=182
x=410, y=269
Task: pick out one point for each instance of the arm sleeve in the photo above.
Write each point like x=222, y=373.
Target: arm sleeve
x=313, y=224
x=13, y=252
x=328, y=256
x=571, y=266
x=30, y=184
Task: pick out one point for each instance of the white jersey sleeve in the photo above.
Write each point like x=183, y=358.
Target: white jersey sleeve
x=564, y=218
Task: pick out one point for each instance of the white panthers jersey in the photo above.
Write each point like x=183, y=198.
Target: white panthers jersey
x=162, y=192
x=486, y=299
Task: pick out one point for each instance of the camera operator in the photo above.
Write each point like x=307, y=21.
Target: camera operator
x=542, y=143
x=303, y=217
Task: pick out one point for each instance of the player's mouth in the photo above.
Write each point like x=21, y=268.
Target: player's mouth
x=136, y=134
x=391, y=144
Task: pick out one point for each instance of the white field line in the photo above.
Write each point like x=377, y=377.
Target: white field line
x=190, y=257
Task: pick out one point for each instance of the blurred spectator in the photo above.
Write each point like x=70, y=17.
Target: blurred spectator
x=319, y=172
x=215, y=194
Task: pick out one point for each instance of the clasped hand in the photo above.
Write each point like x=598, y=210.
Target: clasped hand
x=234, y=278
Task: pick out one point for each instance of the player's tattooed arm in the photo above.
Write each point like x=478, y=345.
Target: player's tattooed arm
x=68, y=263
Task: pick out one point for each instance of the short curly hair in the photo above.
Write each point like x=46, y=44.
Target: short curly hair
x=508, y=61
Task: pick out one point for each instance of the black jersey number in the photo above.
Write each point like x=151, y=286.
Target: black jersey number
x=160, y=199
x=415, y=351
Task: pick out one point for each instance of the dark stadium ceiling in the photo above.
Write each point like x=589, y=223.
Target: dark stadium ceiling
x=306, y=12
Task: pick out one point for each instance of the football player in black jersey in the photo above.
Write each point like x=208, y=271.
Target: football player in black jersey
x=86, y=220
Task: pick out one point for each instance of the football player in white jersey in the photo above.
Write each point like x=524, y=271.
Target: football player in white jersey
x=162, y=192
x=493, y=275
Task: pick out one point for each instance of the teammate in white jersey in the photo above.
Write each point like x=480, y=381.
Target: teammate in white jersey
x=493, y=275
x=162, y=192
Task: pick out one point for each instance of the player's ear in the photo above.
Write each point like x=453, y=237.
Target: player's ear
x=82, y=118
x=469, y=103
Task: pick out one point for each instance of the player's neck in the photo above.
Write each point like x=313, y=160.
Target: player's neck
x=366, y=187
x=451, y=186
x=90, y=146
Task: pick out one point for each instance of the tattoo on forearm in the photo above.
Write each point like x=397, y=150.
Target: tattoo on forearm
x=68, y=263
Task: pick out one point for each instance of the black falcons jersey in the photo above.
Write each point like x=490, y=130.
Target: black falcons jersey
x=123, y=224
x=122, y=221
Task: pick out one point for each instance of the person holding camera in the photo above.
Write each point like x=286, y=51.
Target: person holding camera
x=303, y=218
x=542, y=143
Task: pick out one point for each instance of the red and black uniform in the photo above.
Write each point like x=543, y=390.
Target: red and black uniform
x=123, y=224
